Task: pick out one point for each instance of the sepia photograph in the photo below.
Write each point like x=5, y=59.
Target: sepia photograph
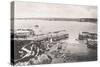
x=49, y=33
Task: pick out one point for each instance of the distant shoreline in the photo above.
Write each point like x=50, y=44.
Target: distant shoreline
x=60, y=19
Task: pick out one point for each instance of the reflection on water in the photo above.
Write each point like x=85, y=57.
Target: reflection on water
x=72, y=27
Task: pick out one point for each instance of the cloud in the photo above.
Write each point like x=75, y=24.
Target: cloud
x=29, y=10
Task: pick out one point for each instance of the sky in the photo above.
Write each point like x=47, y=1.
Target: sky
x=44, y=10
